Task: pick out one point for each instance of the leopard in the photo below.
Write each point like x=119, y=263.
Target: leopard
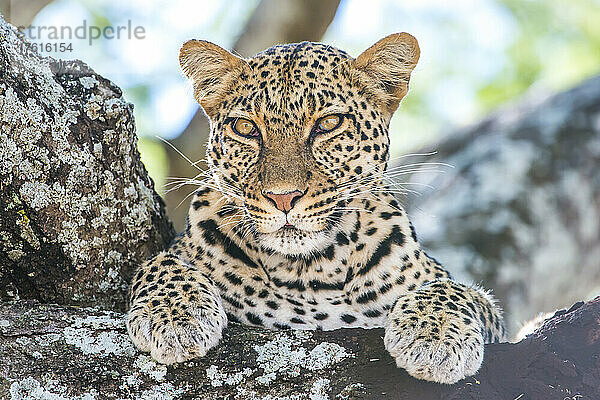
x=293, y=223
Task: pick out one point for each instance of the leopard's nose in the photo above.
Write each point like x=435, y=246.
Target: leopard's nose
x=284, y=201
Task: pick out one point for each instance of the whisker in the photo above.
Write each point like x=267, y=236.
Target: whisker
x=385, y=162
x=178, y=152
x=185, y=198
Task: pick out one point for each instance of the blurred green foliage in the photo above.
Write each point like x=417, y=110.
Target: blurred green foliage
x=155, y=160
x=558, y=45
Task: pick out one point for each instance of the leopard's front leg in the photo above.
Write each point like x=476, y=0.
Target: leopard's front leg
x=437, y=333
x=176, y=312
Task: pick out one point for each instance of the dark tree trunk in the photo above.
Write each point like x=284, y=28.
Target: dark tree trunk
x=78, y=210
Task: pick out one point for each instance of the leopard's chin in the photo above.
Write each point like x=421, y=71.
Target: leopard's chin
x=295, y=242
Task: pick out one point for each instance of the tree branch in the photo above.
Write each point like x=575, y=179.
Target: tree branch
x=73, y=352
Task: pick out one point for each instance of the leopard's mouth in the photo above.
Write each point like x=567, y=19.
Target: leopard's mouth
x=289, y=227
x=291, y=240
x=290, y=231
x=296, y=234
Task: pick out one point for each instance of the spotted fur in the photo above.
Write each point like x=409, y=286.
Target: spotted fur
x=343, y=255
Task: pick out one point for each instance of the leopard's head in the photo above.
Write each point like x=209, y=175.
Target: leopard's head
x=297, y=130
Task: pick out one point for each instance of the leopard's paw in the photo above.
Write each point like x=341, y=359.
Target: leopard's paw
x=439, y=348
x=175, y=333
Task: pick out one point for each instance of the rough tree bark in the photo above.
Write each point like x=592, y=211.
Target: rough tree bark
x=273, y=22
x=520, y=210
x=56, y=352
x=78, y=210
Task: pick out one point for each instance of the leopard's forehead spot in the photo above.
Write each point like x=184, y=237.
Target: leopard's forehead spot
x=297, y=68
x=293, y=82
x=303, y=55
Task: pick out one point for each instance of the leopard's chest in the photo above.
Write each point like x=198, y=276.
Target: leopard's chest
x=309, y=309
x=307, y=302
x=353, y=285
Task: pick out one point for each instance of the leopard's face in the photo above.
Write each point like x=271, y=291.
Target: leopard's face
x=296, y=132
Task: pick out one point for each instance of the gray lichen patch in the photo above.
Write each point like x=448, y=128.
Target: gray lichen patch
x=31, y=389
x=349, y=391
x=325, y=355
x=219, y=378
x=88, y=82
x=37, y=194
x=320, y=389
x=164, y=391
x=151, y=368
x=103, y=343
x=284, y=355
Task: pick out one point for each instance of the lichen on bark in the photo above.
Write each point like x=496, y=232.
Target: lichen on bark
x=74, y=353
x=78, y=211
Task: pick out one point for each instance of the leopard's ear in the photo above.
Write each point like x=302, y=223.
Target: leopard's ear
x=212, y=70
x=386, y=66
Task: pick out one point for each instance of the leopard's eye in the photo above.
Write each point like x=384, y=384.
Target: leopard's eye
x=244, y=127
x=328, y=123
